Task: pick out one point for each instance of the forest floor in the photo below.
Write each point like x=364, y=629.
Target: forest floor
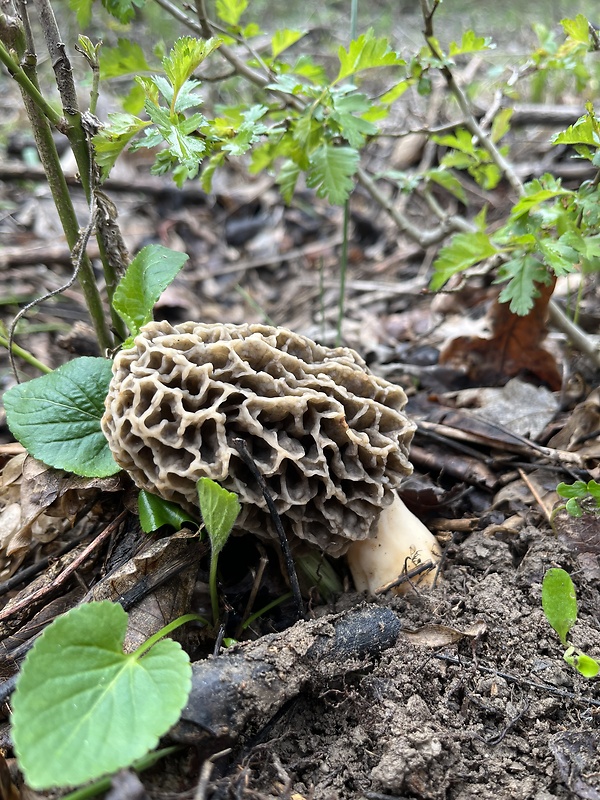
x=470, y=698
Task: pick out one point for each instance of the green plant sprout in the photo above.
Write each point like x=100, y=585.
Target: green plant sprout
x=83, y=708
x=220, y=509
x=581, y=497
x=559, y=602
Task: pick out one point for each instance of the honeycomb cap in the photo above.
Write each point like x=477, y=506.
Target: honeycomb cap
x=330, y=438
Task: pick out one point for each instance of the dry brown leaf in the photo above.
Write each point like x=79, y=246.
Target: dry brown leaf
x=37, y=503
x=514, y=349
x=443, y=635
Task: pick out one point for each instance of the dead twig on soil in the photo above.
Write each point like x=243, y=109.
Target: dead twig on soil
x=63, y=577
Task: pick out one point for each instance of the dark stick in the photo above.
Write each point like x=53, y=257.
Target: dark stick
x=242, y=448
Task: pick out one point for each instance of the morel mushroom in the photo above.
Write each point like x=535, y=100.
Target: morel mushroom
x=330, y=438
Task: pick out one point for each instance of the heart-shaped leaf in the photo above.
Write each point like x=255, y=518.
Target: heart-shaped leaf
x=57, y=417
x=83, y=708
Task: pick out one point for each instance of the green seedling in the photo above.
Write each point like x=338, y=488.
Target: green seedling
x=559, y=602
x=83, y=708
x=219, y=509
x=155, y=512
x=581, y=497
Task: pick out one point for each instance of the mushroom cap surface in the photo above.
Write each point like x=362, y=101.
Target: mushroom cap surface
x=330, y=438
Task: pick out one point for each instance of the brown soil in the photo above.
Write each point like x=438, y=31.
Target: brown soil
x=495, y=716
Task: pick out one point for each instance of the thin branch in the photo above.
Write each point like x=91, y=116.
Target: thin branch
x=450, y=223
x=19, y=75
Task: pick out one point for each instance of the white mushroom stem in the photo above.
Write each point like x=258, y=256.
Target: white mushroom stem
x=401, y=543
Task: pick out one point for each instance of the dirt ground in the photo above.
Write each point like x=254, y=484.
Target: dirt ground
x=472, y=701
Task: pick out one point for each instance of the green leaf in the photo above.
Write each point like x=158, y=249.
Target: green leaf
x=463, y=251
x=249, y=131
x=111, y=140
x=83, y=708
x=287, y=179
x=83, y=10
x=146, y=278
x=529, y=202
x=122, y=10
x=559, y=602
x=155, y=512
x=501, y=124
x=219, y=509
x=470, y=43
x=330, y=172
x=584, y=131
x=594, y=489
x=585, y=665
x=283, y=39
x=573, y=508
x=577, y=489
x=577, y=29
x=346, y=112
x=127, y=58
x=57, y=417
x=230, y=11
x=448, y=181
x=186, y=55
x=523, y=272
x=560, y=257
x=364, y=53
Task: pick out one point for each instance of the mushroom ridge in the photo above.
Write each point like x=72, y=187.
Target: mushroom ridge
x=330, y=438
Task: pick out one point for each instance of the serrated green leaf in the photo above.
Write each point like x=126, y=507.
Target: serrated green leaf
x=366, y=52
x=470, y=43
x=146, y=278
x=346, y=112
x=306, y=68
x=523, y=272
x=83, y=708
x=577, y=29
x=186, y=56
x=122, y=10
x=283, y=39
x=395, y=92
x=127, y=58
x=249, y=131
x=584, y=131
x=287, y=179
x=559, y=601
x=331, y=170
x=230, y=11
x=220, y=509
x=559, y=256
x=449, y=181
x=501, y=124
x=463, y=251
x=461, y=140
x=529, y=202
x=215, y=161
x=57, y=417
x=155, y=512
x=83, y=10
x=133, y=102
x=111, y=140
